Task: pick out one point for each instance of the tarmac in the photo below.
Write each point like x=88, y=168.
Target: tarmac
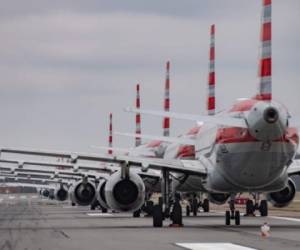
x=29, y=222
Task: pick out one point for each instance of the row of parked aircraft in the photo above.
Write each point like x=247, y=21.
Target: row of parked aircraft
x=249, y=148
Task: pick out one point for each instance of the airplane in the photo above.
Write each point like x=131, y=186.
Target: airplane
x=249, y=148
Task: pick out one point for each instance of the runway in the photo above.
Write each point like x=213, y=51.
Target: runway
x=29, y=222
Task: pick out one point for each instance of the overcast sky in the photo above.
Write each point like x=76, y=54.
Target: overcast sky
x=64, y=65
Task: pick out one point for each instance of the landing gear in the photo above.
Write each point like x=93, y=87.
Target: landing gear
x=73, y=204
x=205, y=205
x=232, y=214
x=227, y=218
x=195, y=206
x=137, y=213
x=157, y=216
x=251, y=207
x=188, y=210
x=176, y=215
x=237, y=218
x=148, y=208
x=103, y=209
x=263, y=208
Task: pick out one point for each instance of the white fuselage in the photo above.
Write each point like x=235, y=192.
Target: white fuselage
x=243, y=159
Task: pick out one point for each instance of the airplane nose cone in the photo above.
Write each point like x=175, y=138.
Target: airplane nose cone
x=271, y=115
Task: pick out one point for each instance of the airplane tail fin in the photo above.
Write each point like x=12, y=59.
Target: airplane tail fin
x=265, y=64
x=211, y=76
x=166, y=120
x=110, y=138
x=138, y=141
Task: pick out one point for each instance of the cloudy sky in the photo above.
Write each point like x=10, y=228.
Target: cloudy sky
x=64, y=65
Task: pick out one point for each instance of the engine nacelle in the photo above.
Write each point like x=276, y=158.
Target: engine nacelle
x=284, y=197
x=61, y=194
x=45, y=193
x=125, y=194
x=83, y=193
x=101, y=193
x=218, y=198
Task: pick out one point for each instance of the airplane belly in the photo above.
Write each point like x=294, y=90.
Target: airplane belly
x=252, y=165
x=188, y=184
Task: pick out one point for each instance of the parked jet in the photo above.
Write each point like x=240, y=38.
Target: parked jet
x=250, y=147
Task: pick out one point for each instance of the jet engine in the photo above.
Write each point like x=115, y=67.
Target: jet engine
x=283, y=197
x=101, y=193
x=83, y=192
x=218, y=198
x=45, y=193
x=125, y=192
x=61, y=194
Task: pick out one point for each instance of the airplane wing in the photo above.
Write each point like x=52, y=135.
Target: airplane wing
x=225, y=121
x=294, y=168
x=179, y=140
x=193, y=167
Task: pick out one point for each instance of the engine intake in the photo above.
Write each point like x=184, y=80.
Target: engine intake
x=283, y=197
x=45, y=193
x=125, y=194
x=218, y=198
x=83, y=193
x=61, y=194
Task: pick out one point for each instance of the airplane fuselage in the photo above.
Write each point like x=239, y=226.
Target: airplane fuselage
x=253, y=159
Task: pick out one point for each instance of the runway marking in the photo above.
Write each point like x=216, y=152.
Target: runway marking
x=33, y=196
x=213, y=246
x=100, y=214
x=11, y=197
x=284, y=218
x=23, y=197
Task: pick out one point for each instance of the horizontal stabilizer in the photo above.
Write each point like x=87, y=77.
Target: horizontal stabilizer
x=224, y=121
x=179, y=140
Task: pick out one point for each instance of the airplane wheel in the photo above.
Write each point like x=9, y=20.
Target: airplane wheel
x=176, y=214
x=237, y=218
x=263, y=208
x=137, y=213
x=157, y=216
x=227, y=218
x=73, y=204
x=205, y=205
x=149, y=208
x=92, y=207
x=188, y=211
x=249, y=207
x=104, y=210
x=195, y=206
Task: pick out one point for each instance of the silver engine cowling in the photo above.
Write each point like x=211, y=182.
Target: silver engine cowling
x=101, y=193
x=83, y=193
x=61, y=194
x=218, y=198
x=284, y=197
x=125, y=194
